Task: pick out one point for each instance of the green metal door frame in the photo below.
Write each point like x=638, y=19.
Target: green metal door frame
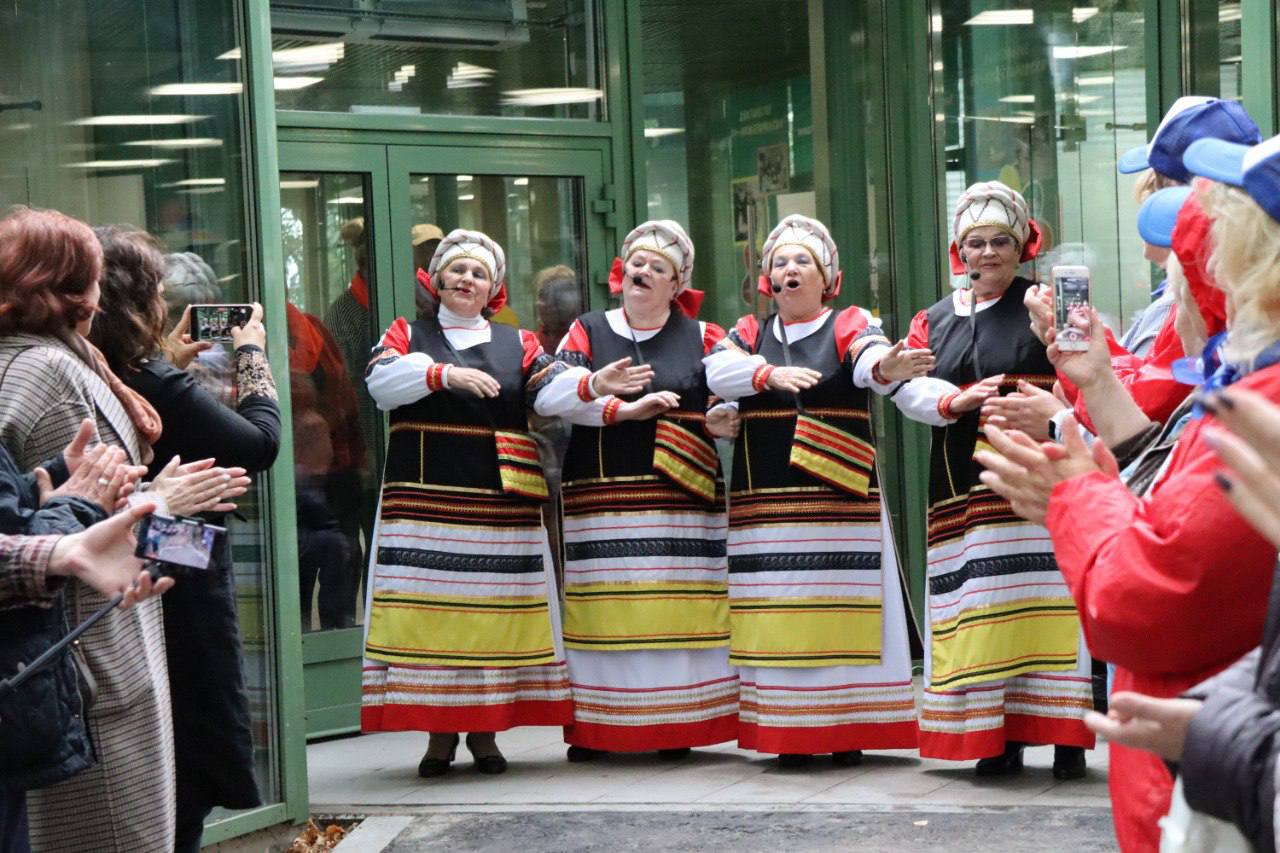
x=388, y=159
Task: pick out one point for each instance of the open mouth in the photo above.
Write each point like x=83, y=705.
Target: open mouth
x=792, y=283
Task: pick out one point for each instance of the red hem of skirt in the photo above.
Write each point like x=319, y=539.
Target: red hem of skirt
x=648, y=738
x=466, y=718
x=824, y=739
x=1020, y=727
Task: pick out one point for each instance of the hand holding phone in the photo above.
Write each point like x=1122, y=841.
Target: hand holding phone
x=1071, y=302
x=215, y=322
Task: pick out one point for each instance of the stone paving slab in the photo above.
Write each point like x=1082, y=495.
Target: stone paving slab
x=1022, y=829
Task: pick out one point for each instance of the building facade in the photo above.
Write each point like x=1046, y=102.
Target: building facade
x=305, y=152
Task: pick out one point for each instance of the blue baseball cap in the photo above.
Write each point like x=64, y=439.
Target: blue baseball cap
x=1253, y=168
x=1158, y=214
x=1191, y=118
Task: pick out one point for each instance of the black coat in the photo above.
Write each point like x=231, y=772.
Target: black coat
x=1229, y=761
x=211, y=727
x=43, y=735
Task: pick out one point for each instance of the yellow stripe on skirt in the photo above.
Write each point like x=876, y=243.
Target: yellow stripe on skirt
x=805, y=632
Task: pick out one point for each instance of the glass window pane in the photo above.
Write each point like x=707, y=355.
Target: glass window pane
x=455, y=57
x=117, y=116
x=337, y=429
x=729, y=144
x=537, y=220
x=1045, y=100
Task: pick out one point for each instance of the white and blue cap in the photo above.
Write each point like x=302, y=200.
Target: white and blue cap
x=1253, y=168
x=1191, y=118
x=1159, y=213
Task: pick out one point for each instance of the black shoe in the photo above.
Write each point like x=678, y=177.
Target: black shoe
x=578, y=754
x=1068, y=763
x=491, y=763
x=1009, y=761
x=430, y=767
x=674, y=754
x=794, y=760
x=848, y=758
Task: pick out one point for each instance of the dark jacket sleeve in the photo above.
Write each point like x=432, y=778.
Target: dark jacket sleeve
x=1229, y=760
x=197, y=426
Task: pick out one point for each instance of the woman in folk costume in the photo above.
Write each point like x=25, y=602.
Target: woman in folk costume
x=463, y=631
x=816, y=605
x=646, y=614
x=1005, y=662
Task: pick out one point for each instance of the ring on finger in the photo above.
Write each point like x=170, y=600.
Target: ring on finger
x=103, y=481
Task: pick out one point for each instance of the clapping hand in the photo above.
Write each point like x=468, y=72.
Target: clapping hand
x=102, y=557
x=1145, y=722
x=793, y=379
x=899, y=363
x=649, y=406
x=976, y=394
x=724, y=422
x=471, y=379
x=620, y=378
x=1029, y=410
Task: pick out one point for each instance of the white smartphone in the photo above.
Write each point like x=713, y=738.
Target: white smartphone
x=1071, y=307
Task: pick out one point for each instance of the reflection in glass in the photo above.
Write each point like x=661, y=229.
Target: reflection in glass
x=337, y=430
x=456, y=57
x=1044, y=99
x=729, y=145
x=538, y=221
x=116, y=117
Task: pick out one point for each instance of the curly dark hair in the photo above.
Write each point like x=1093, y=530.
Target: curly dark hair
x=131, y=311
x=48, y=264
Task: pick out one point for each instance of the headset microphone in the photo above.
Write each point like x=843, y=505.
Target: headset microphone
x=777, y=288
x=975, y=275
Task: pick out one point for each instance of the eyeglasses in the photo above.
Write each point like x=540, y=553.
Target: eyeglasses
x=999, y=243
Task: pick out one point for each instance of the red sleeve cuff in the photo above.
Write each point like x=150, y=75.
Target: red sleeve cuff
x=760, y=379
x=435, y=376
x=585, y=392
x=610, y=415
x=944, y=406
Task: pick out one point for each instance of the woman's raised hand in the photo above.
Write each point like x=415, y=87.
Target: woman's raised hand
x=179, y=346
x=899, y=363
x=1083, y=368
x=471, y=379
x=252, y=333
x=1039, y=303
x=199, y=486
x=620, y=378
x=793, y=379
x=102, y=557
x=1251, y=452
x=648, y=407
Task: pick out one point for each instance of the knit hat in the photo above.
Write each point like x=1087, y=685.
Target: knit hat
x=996, y=205
x=667, y=238
x=460, y=243
x=810, y=234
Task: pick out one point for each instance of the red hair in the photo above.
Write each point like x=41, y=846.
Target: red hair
x=48, y=263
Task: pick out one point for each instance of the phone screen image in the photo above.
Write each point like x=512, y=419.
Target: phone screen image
x=215, y=322
x=178, y=541
x=1071, y=300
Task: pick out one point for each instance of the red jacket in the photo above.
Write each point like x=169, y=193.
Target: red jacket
x=1171, y=588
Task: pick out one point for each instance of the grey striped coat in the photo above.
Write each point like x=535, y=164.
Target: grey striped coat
x=126, y=801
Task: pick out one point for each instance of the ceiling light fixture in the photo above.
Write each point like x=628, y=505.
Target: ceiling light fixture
x=289, y=84
x=197, y=89
x=197, y=142
x=1084, y=52
x=550, y=96
x=120, y=164
x=1080, y=14
x=1002, y=18
x=140, y=119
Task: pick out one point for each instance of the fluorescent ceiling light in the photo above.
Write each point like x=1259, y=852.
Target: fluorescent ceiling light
x=659, y=132
x=1095, y=113
x=1079, y=99
x=935, y=23
x=1002, y=18
x=346, y=199
x=198, y=89
x=549, y=96
x=1080, y=14
x=311, y=55
x=1082, y=52
x=234, y=53
x=201, y=190
x=141, y=119
x=299, y=185
x=119, y=164
x=288, y=84
x=1005, y=119
x=1100, y=80
x=467, y=197
x=463, y=179
x=521, y=182
x=1018, y=99
x=1230, y=12
x=231, y=277
x=464, y=75
x=198, y=182
x=197, y=142
x=937, y=66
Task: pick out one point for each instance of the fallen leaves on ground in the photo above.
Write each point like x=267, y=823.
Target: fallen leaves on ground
x=313, y=839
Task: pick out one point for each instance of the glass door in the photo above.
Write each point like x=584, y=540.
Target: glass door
x=357, y=221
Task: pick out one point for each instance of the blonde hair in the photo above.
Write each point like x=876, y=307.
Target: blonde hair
x=1149, y=182
x=1246, y=264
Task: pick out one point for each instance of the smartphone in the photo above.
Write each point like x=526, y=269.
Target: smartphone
x=1071, y=307
x=215, y=322
x=183, y=543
